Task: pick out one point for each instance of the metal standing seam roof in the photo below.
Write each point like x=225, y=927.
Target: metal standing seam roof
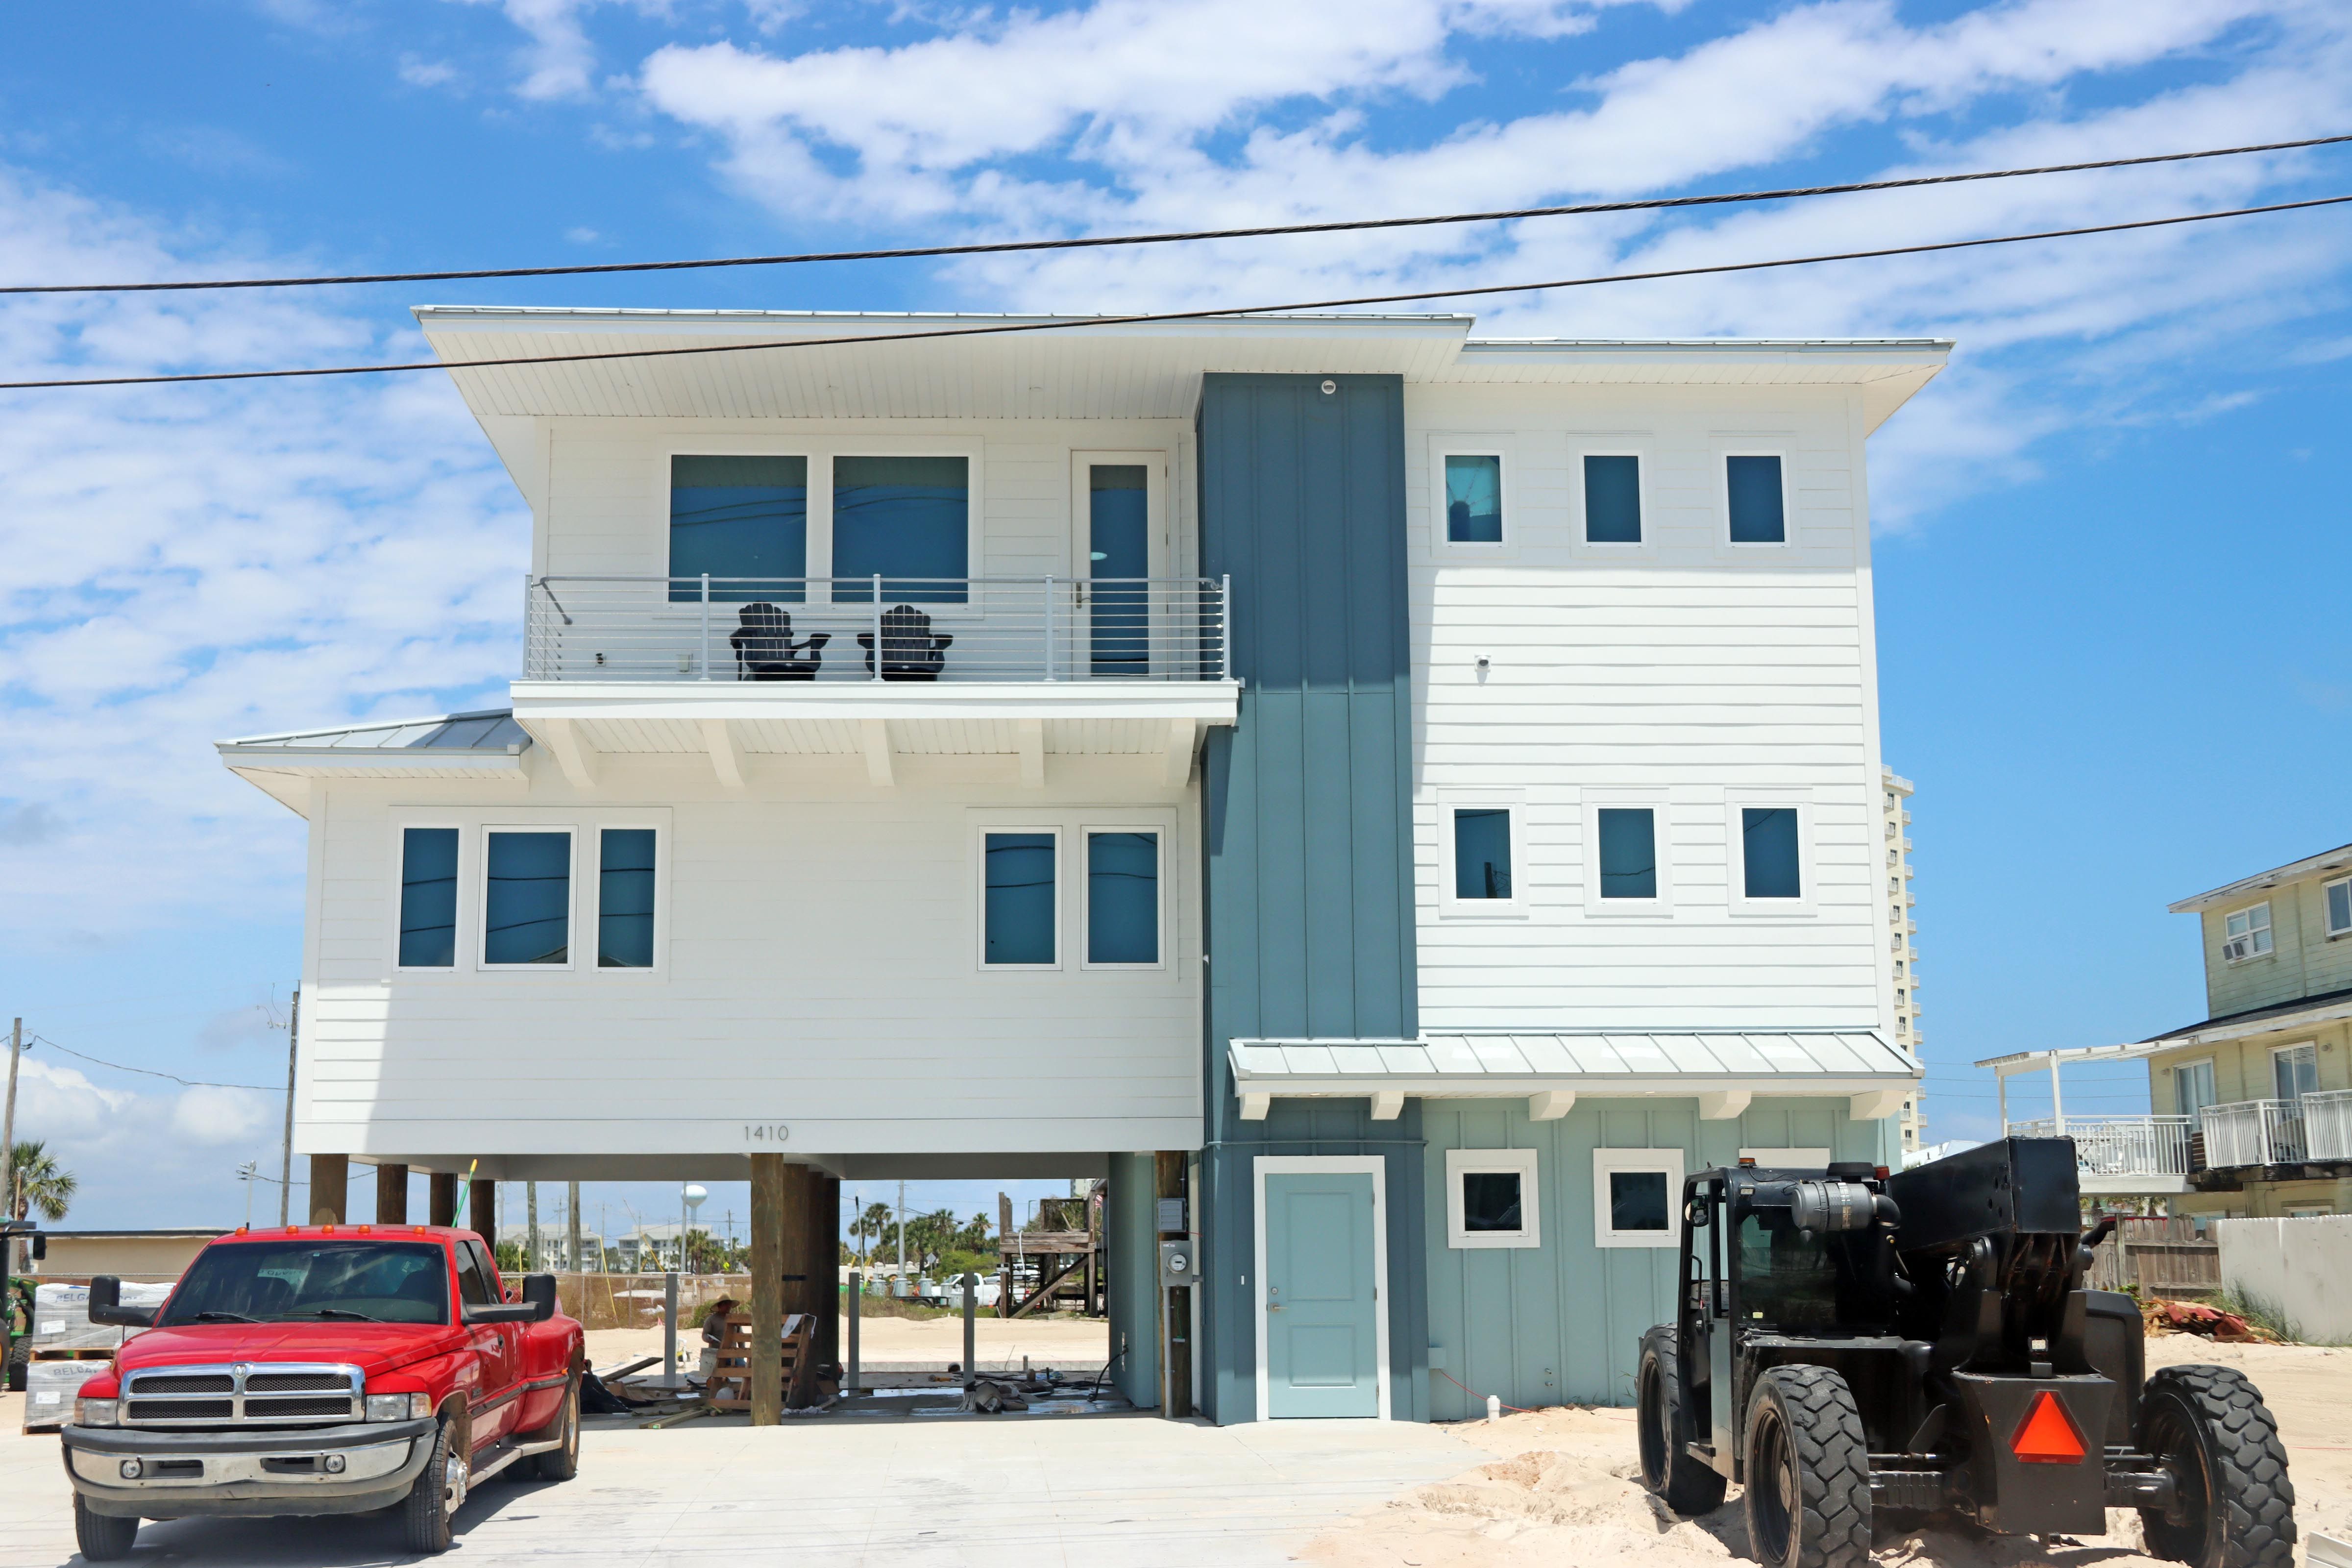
x=1511, y=1063
x=492, y=729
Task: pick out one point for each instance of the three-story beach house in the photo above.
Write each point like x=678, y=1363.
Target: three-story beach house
x=1389, y=801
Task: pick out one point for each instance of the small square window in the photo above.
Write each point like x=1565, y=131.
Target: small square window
x=1752, y=496
x=1769, y=853
x=2339, y=908
x=1492, y=1199
x=1482, y=852
x=2246, y=933
x=1613, y=499
x=428, y=898
x=624, y=898
x=1629, y=852
x=1635, y=1196
x=527, y=898
x=1123, y=898
x=1019, y=899
x=1473, y=500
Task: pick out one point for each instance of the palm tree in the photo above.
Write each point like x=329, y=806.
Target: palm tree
x=40, y=1182
x=872, y=1227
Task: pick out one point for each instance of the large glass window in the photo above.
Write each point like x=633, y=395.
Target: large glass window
x=624, y=898
x=2192, y=1088
x=527, y=898
x=739, y=518
x=2294, y=1070
x=1629, y=852
x=1482, y=852
x=908, y=519
x=1768, y=852
x=1018, y=896
x=1613, y=499
x=1122, y=898
x=428, y=898
x=1752, y=487
x=1473, y=500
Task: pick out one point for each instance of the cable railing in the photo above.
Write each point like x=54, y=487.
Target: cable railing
x=2119, y=1145
x=877, y=629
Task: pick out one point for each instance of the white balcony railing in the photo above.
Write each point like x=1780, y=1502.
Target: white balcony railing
x=2327, y=1124
x=2253, y=1133
x=2119, y=1145
x=831, y=629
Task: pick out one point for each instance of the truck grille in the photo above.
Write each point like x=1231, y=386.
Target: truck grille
x=256, y=1393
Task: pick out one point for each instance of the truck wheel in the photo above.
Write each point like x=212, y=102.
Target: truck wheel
x=1681, y=1482
x=563, y=1463
x=101, y=1537
x=2235, y=1507
x=1808, y=1474
x=438, y=1493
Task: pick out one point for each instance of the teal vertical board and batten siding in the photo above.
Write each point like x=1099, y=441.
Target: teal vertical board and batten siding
x=1307, y=893
x=1560, y=1323
x=1131, y=1247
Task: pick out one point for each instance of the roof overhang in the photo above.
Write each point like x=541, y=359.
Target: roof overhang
x=478, y=746
x=2336, y=859
x=2216, y=1031
x=1724, y=1071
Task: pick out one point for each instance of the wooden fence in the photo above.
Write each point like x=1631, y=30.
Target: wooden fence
x=2163, y=1257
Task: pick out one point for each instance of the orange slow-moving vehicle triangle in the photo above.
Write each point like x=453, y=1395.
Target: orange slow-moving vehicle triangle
x=2048, y=1436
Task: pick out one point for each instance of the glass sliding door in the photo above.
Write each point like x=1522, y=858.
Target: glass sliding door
x=1118, y=567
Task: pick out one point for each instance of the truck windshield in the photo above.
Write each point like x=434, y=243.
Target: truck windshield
x=1806, y=1281
x=313, y=1281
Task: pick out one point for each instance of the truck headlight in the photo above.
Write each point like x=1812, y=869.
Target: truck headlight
x=98, y=1413
x=399, y=1406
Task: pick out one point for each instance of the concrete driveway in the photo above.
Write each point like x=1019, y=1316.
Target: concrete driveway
x=1040, y=1491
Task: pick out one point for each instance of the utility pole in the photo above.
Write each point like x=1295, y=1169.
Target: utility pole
x=286, y=1153
x=8, y=1139
x=901, y=1287
x=531, y=1226
x=572, y=1233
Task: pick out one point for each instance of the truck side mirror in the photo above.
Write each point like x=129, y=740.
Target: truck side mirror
x=539, y=1290
x=106, y=1305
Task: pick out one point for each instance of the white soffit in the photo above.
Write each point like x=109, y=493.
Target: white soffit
x=1499, y=1066
x=488, y=744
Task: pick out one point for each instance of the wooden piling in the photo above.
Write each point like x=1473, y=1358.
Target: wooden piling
x=768, y=1267
x=392, y=1194
x=330, y=1176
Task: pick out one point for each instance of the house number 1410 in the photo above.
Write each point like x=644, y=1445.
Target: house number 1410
x=766, y=1132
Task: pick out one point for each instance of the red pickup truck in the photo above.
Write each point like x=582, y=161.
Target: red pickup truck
x=324, y=1369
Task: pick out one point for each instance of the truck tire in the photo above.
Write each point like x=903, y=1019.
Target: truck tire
x=438, y=1493
x=1681, y=1482
x=101, y=1537
x=2209, y=1426
x=1808, y=1471
x=563, y=1463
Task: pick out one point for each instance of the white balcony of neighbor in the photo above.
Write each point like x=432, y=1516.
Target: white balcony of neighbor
x=1017, y=667
x=2313, y=1127
x=2118, y=1154
x=2327, y=1124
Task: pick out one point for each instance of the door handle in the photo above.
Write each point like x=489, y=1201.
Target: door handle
x=1272, y=1308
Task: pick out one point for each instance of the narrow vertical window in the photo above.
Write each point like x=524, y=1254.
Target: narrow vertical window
x=1612, y=500
x=428, y=898
x=1752, y=489
x=1482, y=852
x=906, y=518
x=1629, y=852
x=1018, y=897
x=2339, y=908
x=1768, y=841
x=1122, y=898
x=1474, y=500
x=624, y=898
x=527, y=898
x=1119, y=562
x=743, y=520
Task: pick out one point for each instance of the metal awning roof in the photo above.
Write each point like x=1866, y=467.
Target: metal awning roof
x=1723, y=1070
x=484, y=745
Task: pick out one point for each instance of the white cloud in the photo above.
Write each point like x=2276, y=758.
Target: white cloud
x=213, y=1117
x=419, y=72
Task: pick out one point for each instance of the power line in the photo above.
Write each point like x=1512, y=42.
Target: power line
x=1172, y=238
x=1141, y=318
x=118, y=1066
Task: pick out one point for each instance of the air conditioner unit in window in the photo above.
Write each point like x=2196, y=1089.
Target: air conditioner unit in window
x=2236, y=947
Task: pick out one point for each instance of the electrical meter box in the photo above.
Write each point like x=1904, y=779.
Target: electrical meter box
x=1176, y=1263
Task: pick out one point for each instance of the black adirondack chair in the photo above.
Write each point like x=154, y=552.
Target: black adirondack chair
x=910, y=650
x=764, y=649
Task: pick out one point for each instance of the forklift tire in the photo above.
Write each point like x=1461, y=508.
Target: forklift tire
x=1808, y=1472
x=1681, y=1482
x=20, y=1356
x=2209, y=1426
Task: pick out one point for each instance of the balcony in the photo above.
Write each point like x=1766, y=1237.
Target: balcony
x=2316, y=1128
x=950, y=680
x=2122, y=1154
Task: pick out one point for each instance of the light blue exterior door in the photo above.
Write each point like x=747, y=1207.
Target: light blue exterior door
x=1321, y=1305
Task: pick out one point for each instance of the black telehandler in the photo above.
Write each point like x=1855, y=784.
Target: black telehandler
x=1858, y=1350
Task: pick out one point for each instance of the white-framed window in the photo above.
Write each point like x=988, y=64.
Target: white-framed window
x=431, y=863
x=1471, y=480
x=1637, y=1197
x=1492, y=1198
x=2246, y=933
x=2193, y=1088
x=1628, y=865
x=2336, y=897
x=1020, y=888
x=1752, y=487
x=1124, y=905
x=1613, y=509
x=2294, y=1070
x=528, y=909
x=1482, y=854
x=631, y=899
x=1770, y=840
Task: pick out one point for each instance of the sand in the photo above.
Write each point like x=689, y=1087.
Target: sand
x=1565, y=1488
x=1066, y=1344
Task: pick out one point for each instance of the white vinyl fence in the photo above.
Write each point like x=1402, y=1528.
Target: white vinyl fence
x=2303, y=1268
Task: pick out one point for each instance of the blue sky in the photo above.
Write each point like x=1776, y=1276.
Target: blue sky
x=2105, y=657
